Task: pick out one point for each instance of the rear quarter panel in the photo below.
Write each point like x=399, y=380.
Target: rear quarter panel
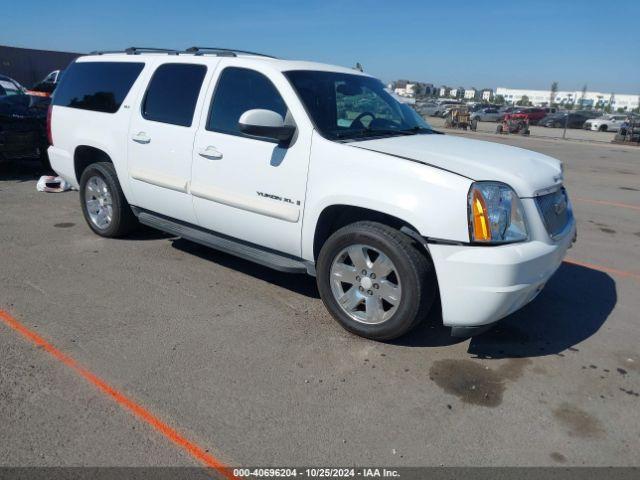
x=74, y=127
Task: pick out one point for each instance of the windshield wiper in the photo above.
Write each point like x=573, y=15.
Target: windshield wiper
x=376, y=132
x=418, y=129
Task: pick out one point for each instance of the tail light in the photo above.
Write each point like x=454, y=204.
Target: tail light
x=49, y=134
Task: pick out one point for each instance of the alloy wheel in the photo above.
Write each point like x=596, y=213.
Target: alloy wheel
x=365, y=284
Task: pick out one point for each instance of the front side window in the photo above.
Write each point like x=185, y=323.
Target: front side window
x=97, y=86
x=173, y=93
x=239, y=90
x=346, y=107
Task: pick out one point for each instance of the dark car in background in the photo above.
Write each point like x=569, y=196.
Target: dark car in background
x=9, y=87
x=23, y=120
x=573, y=120
x=49, y=83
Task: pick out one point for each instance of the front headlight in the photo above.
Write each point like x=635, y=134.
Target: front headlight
x=495, y=214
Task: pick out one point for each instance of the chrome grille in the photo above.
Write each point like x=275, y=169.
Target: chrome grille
x=555, y=211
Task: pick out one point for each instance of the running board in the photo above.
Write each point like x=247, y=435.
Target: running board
x=268, y=258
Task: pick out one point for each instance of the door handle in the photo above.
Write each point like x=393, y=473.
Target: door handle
x=211, y=153
x=141, y=137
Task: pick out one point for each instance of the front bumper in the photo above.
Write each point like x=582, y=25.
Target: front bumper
x=479, y=285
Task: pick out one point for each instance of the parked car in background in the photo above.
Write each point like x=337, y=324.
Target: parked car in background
x=606, y=123
x=558, y=120
x=48, y=84
x=533, y=114
x=429, y=108
x=22, y=123
x=480, y=106
x=444, y=107
x=8, y=87
x=487, y=115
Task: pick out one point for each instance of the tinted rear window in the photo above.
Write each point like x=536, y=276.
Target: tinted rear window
x=173, y=93
x=97, y=86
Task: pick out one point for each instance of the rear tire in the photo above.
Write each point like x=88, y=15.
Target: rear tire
x=104, y=206
x=361, y=295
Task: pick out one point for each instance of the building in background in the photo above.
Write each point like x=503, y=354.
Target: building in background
x=470, y=93
x=456, y=92
x=591, y=99
x=487, y=95
x=29, y=66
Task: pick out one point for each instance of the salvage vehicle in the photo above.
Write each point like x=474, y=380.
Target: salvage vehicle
x=8, y=87
x=49, y=83
x=22, y=124
x=458, y=117
x=558, y=120
x=606, y=123
x=532, y=114
x=311, y=168
x=487, y=115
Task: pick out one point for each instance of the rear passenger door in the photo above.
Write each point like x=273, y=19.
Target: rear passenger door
x=161, y=134
x=247, y=187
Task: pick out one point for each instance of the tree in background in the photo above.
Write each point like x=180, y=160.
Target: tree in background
x=612, y=100
x=524, y=101
x=552, y=93
x=498, y=100
x=583, y=96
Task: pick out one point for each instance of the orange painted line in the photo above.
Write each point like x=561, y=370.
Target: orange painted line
x=125, y=402
x=610, y=204
x=601, y=268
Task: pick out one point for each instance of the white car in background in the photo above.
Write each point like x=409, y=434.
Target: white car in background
x=606, y=123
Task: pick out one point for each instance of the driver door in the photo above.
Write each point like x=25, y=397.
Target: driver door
x=247, y=187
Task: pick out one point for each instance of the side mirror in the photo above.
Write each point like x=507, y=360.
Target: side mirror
x=266, y=124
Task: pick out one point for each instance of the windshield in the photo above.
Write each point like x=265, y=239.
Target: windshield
x=8, y=88
x=349, y=107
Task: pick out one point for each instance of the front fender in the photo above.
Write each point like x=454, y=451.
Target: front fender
x=432, y=200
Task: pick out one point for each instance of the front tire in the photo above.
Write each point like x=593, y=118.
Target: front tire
x=375, y=281
x=104, y=206
x=603, y=128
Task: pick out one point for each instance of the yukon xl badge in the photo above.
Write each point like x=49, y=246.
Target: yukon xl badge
x=279, y=198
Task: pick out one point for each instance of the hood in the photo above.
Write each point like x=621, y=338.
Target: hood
x=525, y=171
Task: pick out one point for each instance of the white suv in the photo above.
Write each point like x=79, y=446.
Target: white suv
x=606, y=123
x=312, y=168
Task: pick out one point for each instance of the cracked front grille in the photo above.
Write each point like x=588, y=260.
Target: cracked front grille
x=554, y=208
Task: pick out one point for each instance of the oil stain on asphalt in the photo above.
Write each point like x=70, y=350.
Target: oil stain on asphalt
x=64, y=225
x=578, y=422
x=475, y=383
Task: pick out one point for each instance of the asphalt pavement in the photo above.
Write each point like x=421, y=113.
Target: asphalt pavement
x=246, y=364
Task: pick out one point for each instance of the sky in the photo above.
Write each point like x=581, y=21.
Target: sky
x=481, y=44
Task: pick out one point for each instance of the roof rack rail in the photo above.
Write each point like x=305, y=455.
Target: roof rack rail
x=222, y=52
x=137, y=51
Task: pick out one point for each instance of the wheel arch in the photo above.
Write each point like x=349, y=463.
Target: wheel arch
x=85, y=155
x=336, y=216
x=88, y=152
